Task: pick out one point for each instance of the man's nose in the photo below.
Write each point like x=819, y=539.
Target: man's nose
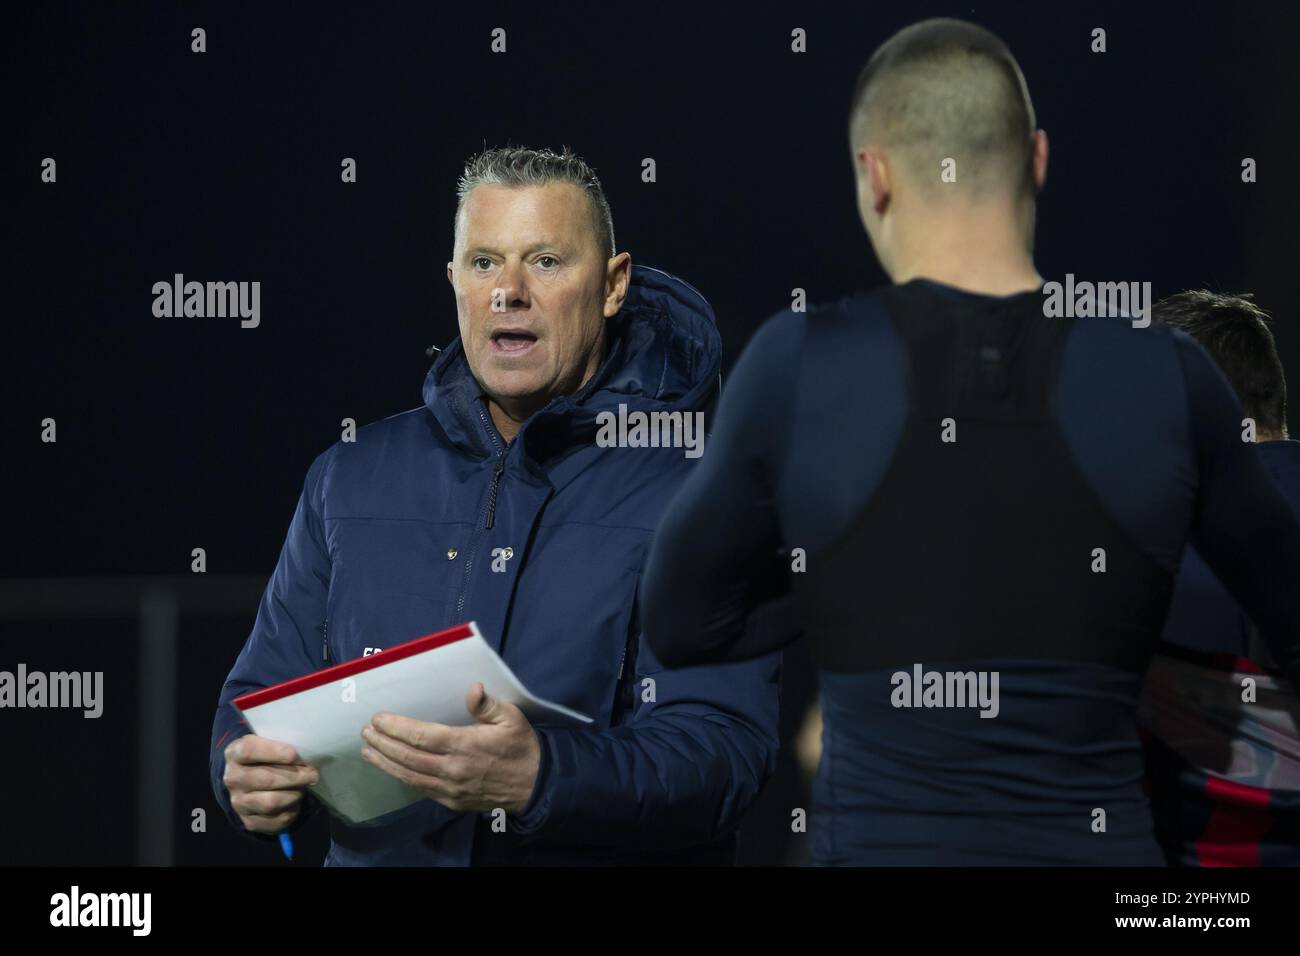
x=512, y=291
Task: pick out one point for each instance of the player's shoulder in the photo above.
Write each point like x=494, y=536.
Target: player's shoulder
x=1127, y=332
x=1133, y=377
x=857, y=323
x=786, y=330
x=1129, y=349
x=866, y=306
x=780, y=328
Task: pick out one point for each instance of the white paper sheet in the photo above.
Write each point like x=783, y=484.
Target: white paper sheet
x=323, y=722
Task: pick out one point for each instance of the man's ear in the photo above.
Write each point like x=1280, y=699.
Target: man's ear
x=618, y=273
x=1040, y=160
x=876, y=168
x=449, y=278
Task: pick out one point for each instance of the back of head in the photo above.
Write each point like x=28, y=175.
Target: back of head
x=947, y=90
x=1235, y=332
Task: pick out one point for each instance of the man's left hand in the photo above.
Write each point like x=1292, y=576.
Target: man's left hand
x=486, y=765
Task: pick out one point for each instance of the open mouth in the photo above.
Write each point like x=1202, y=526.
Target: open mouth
x=512, y=341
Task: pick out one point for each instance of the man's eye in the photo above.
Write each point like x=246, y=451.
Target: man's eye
x=482, y=263
x=548, y=262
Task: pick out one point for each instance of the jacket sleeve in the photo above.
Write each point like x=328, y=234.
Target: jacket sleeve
x=287, y=639
x=682, y=772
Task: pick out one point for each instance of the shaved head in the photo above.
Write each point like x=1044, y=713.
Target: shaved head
x=946, y=89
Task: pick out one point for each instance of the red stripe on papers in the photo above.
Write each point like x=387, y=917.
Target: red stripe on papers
x=257, y=698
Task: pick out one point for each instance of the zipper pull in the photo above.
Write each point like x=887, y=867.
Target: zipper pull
x=492, y=489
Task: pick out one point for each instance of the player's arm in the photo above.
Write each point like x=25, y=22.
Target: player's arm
x=716, y=585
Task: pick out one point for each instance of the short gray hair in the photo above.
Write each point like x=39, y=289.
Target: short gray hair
x=516, y=166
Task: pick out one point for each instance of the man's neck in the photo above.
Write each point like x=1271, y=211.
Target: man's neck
x=510, y=419
x=976, y=248
x=507, y=425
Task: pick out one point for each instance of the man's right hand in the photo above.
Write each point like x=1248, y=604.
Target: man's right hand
x=266, y=780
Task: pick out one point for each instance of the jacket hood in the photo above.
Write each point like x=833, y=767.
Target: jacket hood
x=664, y=354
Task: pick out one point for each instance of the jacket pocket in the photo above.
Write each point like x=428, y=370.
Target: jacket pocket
x=389, y=582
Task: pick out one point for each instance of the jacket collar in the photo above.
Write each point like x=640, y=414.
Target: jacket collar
x=664, y=354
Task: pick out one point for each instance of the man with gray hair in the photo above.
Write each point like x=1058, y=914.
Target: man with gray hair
x=493, y=502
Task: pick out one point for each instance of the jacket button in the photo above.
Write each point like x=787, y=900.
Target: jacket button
x=451, y=554
x=508, y=553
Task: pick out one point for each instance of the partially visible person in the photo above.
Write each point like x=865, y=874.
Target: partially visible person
x=1223, y=772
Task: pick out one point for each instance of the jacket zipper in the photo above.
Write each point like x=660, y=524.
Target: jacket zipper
x=496, y=472
x=492, y=490
x=489, y=515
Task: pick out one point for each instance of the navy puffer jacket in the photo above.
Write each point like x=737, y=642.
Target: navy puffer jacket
x=392, y=539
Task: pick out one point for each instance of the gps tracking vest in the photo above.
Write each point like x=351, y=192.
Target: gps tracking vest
x=982, y=545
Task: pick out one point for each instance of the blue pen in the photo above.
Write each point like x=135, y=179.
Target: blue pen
x=286, y=844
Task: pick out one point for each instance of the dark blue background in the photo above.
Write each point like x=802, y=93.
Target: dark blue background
x=182, y=433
